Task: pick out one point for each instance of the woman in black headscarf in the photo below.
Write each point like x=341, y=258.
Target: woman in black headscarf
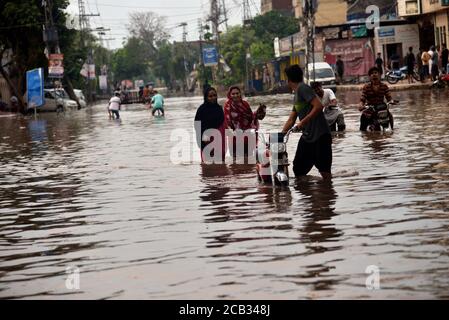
x=211, y=116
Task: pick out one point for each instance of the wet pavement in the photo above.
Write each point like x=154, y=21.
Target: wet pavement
x=82, y=191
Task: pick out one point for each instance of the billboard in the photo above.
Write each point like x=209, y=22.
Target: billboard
x=55, y=65
x=35, y=88
x=357, y=10
x=357, y=55
x=210, y=56
x=88, y=71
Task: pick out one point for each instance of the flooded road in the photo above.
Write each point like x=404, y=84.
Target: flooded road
x=81, y=191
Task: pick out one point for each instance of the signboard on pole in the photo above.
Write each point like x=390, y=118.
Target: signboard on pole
x=92, y=75
x=103, y=82
x=210, y=56
x=35, y=88
x=55, y=65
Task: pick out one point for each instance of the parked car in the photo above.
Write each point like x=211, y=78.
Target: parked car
x=324, y=74
x=55, y=100
x=81, y=98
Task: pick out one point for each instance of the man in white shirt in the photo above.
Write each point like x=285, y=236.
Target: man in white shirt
x=114, y=104
x=333, y=114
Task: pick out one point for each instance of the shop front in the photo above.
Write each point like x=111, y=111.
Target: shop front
x=357, y=55
x=391, y=40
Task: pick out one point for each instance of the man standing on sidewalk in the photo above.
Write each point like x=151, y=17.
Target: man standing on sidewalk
x=434, y=70
x=419, y=63
x=340, y=69
x=410, y=60
x=444, y=58
x=380, y=64
x=425, y=58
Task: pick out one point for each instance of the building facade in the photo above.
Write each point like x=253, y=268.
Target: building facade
x=330, y=12
x=432, y=17
x=283, y=6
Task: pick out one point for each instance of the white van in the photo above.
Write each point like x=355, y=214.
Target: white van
x=324, y=74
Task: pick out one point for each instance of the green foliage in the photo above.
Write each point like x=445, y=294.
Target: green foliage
x=21, y=31
x=129, y=62
x=273, y=24
x=256, y=39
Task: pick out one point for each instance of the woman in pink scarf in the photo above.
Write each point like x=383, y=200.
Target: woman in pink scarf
x=238, y=115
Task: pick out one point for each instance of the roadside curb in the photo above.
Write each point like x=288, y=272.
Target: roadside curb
x=393, y=87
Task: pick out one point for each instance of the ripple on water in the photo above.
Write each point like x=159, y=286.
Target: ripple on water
x=82, y=191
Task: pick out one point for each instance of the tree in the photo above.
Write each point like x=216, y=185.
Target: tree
x=150, y=29
x=233, y=46
x=129, y=62
x=21, y=32
x=259, y=38
x=274, y=24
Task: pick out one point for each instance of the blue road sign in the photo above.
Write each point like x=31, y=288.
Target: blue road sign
x=210, y=56
x=35, y=88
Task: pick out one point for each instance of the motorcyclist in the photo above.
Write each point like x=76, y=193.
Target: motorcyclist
x=374, y=94
x=333, y=114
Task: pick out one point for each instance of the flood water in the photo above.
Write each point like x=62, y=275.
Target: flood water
x=82, y=191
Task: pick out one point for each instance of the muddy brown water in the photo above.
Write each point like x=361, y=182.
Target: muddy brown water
x=81, y=191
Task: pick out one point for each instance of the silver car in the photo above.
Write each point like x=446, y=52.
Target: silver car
x=55, y=100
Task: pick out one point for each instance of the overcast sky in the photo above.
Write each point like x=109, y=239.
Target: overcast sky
x=114, y=15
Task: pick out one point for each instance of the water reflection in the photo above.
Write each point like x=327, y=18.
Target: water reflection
x=318, y=233
x=214, y=193
x=77, y=189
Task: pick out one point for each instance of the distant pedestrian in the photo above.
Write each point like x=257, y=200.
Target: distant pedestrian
x=394, y=59
x=157, y=101
x=434, y=71
x=419, y=64
x=340, y=69
x=425, y=58
x=380, y=63
x=410, y=61
x=444, y=58
x=114, y=105
x=14, y=106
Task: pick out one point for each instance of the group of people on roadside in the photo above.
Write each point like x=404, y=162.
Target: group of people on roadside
x=12, y=106
x=429, y=63
x=432, y=62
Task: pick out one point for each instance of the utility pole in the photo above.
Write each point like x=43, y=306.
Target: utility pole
x=309, y=9
x=84, y=28
x=225, y=13
x=215, y=19
x=247, y=17
x=201, y=37
x=184, y=41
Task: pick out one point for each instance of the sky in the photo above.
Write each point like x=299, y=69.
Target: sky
x=114, y=15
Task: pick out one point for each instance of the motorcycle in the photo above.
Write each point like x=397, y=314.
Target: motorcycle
x=272, y=158
x=441, y=82
x=335, y=118
x=377, y=118
x=393, y=76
